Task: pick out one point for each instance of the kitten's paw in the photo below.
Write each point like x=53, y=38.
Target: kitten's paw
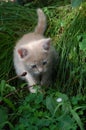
x=32, y=90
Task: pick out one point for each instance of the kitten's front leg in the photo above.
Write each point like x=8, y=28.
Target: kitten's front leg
x=31, y=82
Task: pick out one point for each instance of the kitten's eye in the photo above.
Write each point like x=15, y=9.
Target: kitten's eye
x=44, y=62
x=33, y=66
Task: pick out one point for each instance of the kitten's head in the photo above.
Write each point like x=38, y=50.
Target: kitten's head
x=35, y=55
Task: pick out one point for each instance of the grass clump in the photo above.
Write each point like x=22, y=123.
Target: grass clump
x=72, y=51
x=15, y=20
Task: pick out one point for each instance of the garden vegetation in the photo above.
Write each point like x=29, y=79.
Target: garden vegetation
x=63, y=105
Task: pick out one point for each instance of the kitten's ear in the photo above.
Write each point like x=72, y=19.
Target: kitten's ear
x=46, y=44
x=22, y=52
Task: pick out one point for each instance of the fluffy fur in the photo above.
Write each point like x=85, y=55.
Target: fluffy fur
x=34, y=54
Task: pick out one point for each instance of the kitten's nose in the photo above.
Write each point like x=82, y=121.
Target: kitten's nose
x=40, y=70
x=40, y=73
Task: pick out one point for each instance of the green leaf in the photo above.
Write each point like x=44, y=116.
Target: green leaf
x=43, y=122
x=50, y=104
x=39, y=99
x=2, y=86
x=82, y=45
x=66, y=123
x=9, y=103
x=76, y=3
x=77, y=119
x=82, y=41
x=3, y=116
x=56, y=109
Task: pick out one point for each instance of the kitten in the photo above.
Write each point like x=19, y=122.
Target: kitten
x=34, y=54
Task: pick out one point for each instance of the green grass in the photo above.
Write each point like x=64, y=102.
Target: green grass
x=67, y=28
x=72, y=67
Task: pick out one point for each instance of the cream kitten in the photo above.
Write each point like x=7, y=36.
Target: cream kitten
x=34, y=54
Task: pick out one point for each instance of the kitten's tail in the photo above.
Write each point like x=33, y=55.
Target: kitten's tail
x=41, y=26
